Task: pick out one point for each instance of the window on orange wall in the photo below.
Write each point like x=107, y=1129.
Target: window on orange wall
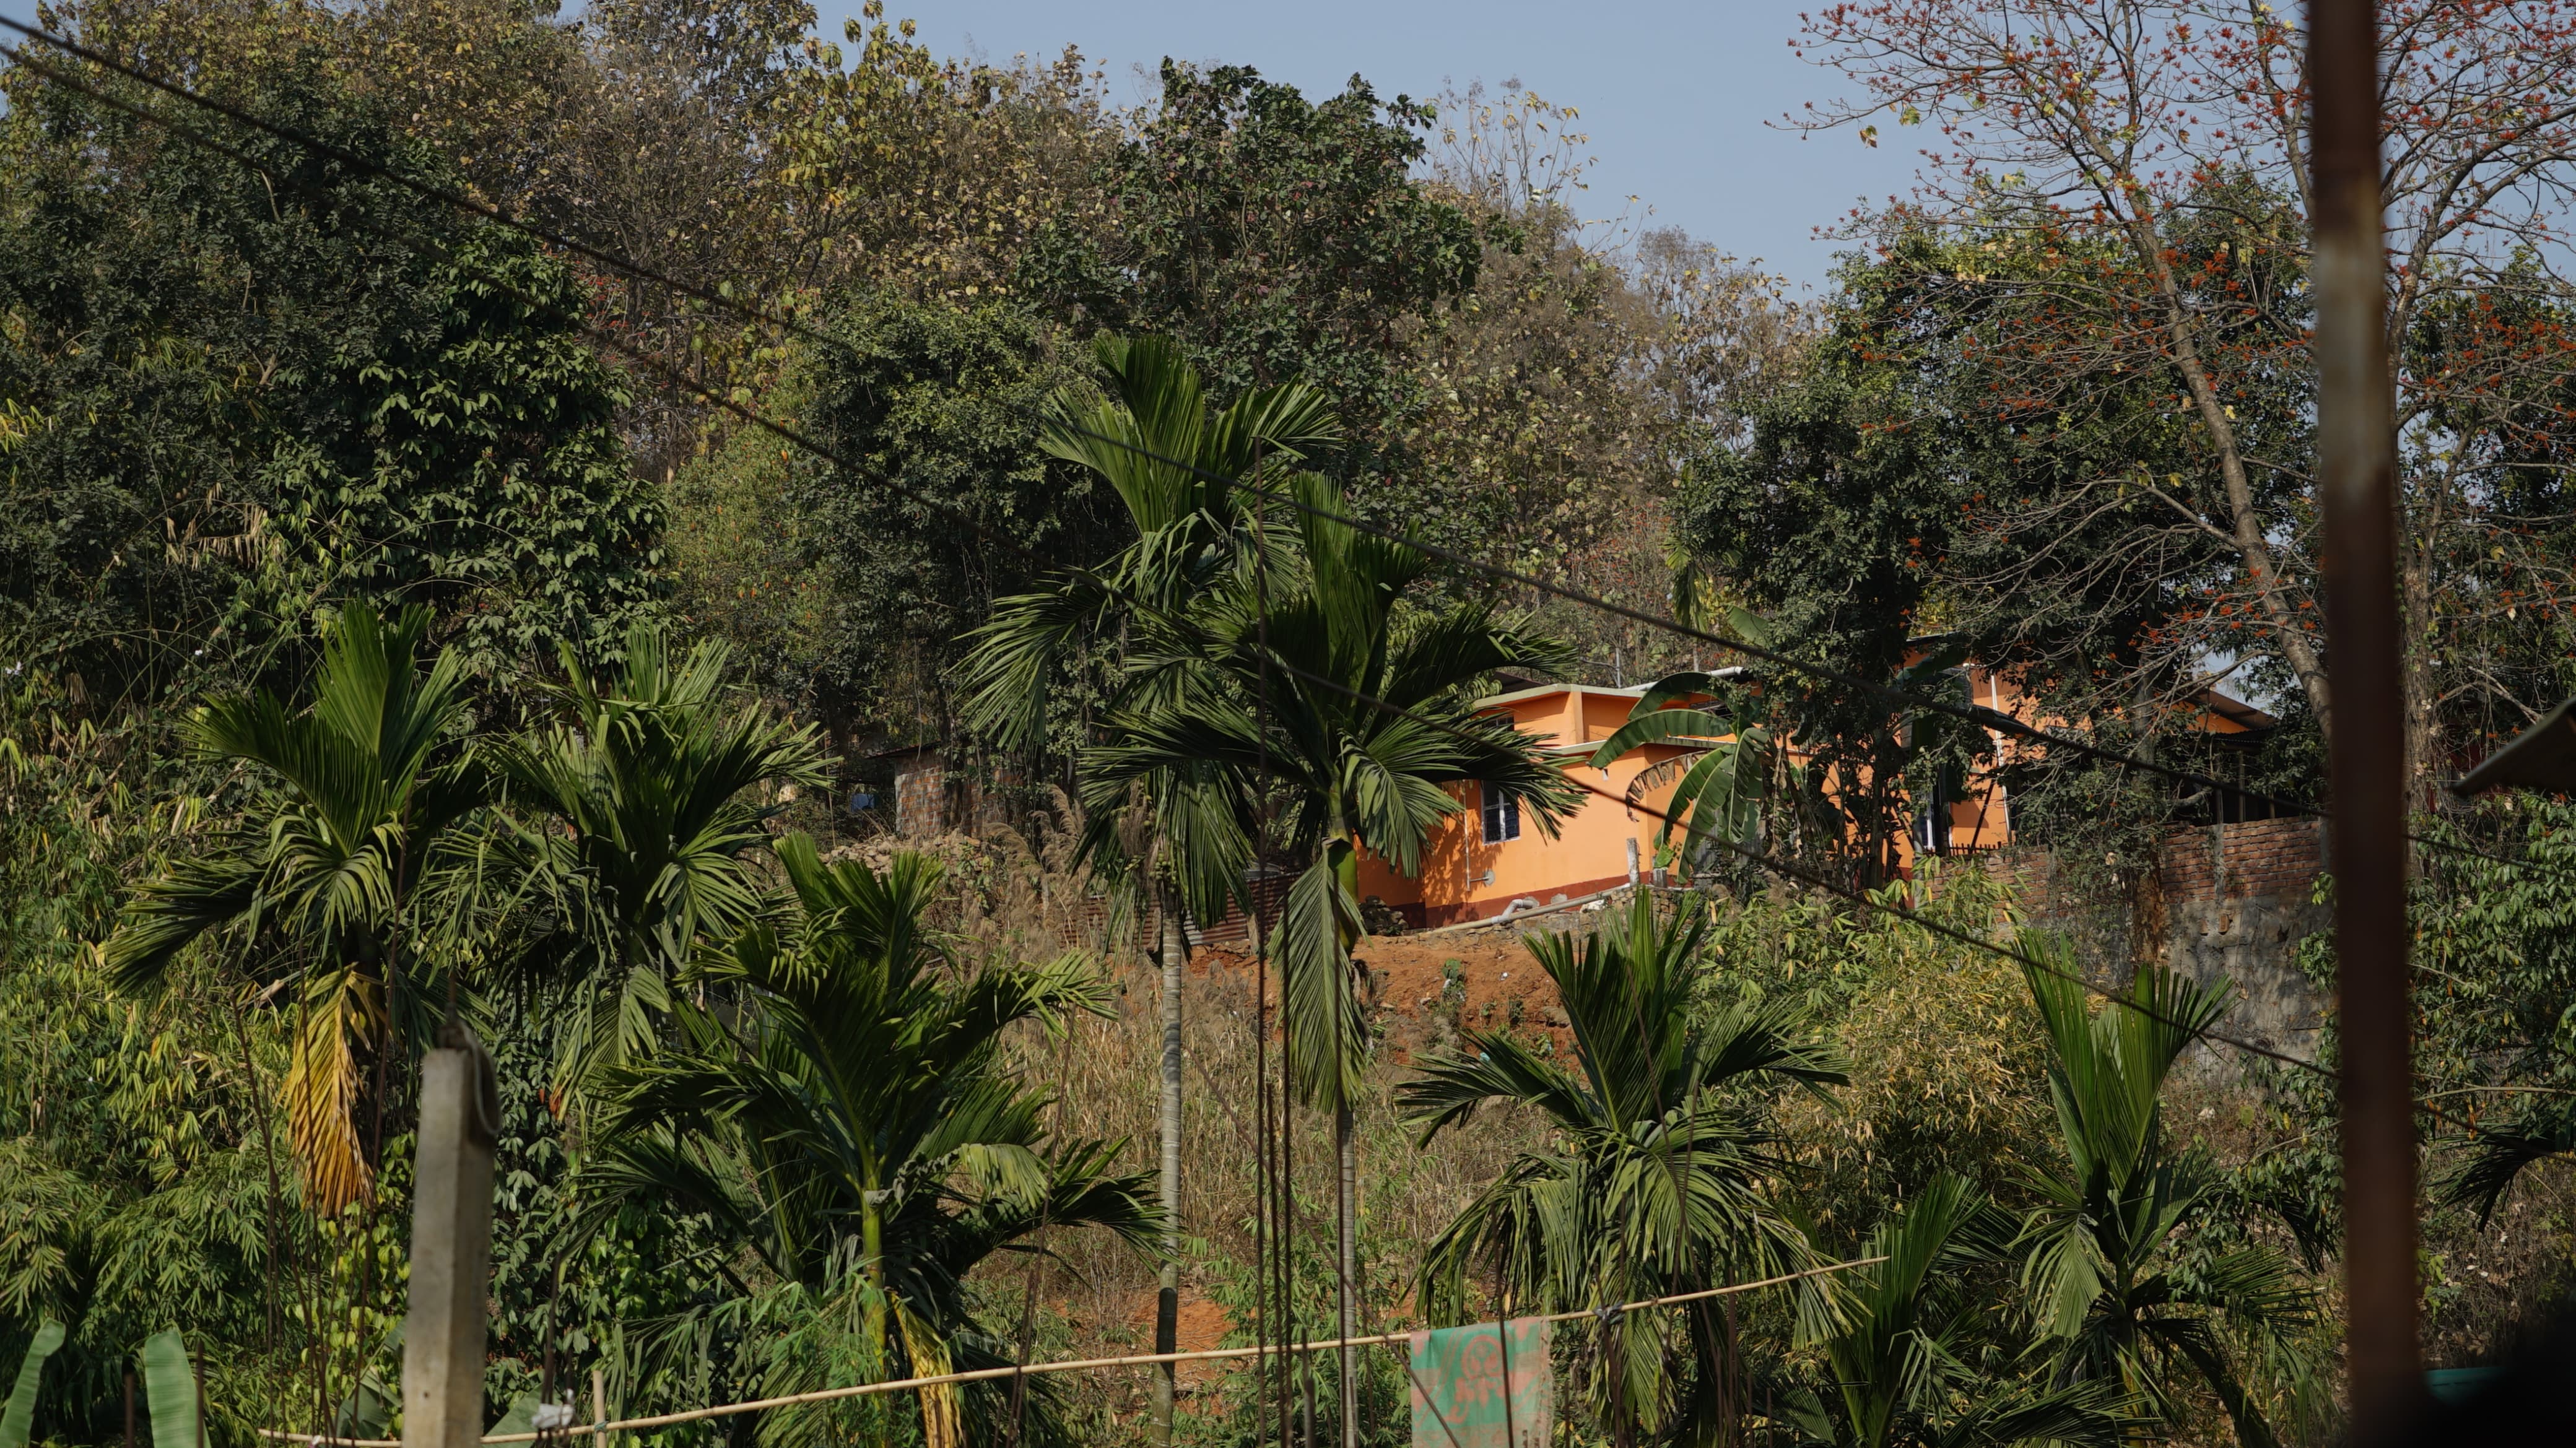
x=1502, y=816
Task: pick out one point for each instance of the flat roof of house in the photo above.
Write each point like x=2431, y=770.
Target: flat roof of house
x=1633, y=691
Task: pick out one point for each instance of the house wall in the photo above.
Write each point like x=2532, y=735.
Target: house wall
x=1464, y=878
x=2229, y=902
x=921, y=802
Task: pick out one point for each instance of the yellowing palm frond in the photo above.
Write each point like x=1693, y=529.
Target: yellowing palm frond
x=361, y=784
x=942, y=1425
x=342, y=1010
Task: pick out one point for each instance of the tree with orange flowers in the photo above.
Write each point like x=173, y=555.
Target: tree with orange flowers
x=2136, y=170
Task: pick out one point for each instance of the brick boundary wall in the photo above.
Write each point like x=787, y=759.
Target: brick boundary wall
x=2221, y=902
x=2277, y=859
x=2263, y=859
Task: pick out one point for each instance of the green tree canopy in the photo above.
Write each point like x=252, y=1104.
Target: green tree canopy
x=233, y=392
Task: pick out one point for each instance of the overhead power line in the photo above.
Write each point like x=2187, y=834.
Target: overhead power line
x=726, y=299
x=672, y=377
x=1815, y=879
x=1977, y=715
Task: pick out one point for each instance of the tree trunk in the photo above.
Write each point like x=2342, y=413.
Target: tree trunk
x=1167, y=1300
x=1346, y=1227
x=2420, y=646
x=2245, y=528
x=268, y=1154
x=872, y=1242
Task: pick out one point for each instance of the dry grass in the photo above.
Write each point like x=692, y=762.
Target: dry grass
x=1014, y=894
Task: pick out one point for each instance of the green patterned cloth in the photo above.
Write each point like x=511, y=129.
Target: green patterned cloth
x=1463, y=1397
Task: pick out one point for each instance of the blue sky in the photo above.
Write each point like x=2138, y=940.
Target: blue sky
x=1674, y=96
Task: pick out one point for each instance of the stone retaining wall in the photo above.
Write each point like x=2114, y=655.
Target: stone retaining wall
x=2231, y=900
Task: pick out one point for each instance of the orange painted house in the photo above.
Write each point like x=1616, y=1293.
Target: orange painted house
x=1483, y=858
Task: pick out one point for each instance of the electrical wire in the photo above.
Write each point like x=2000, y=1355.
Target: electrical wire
x=728, y=300
x=722, y=297
x=1976, y=716
x=981, y=1375
x=1819, y=881
x=672, y=377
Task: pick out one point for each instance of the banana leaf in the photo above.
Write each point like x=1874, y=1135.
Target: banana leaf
x=368, y=1410
x=18, y=1415
x=170, y=1387
x=522, y=1417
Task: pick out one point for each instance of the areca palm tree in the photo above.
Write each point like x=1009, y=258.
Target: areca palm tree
x=634, y=821
x=1174, y=462
x=361, y=786
x=1186, y=473
x=1899, y=1379
x=855, y=1125
x=1654, y=1185
x=2121, y=1296
x=1318, y=678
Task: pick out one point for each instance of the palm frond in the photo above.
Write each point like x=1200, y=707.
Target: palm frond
x=1012, y=656
x=1448, y=1086
x=1461, y=645
x=2077, y=1415
x=2498, y=1151
x=1326, y=1030
x=2193, y=1339
x=343, y=1011
x=192, y=895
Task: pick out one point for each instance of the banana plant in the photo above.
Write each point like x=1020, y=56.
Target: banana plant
x=1735, y=781
x=1730, y=767
x=1726, y=772
x=18, y=1415
x=170, y=1391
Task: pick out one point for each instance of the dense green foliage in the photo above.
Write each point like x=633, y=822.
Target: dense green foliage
x=237, y=394
x=943, y=503
x=1280, y=239
x=380, y=641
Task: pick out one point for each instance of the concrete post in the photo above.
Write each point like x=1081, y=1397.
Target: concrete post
x=451, y=1247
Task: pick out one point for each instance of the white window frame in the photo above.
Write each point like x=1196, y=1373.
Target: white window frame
x=1500, y=815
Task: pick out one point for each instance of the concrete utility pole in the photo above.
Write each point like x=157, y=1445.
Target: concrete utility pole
x=451, y=1246
x=2357, y=496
